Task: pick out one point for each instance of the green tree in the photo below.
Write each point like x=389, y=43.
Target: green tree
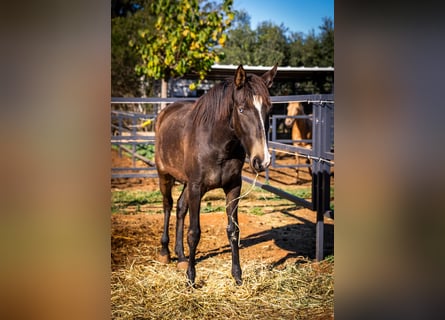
x=122, y=8
x=313, y=49
x=295, y=47
x=326, y=38
x=264, y=46
x=241, y=41
x=271, y=45
x=128, y=17
x=186, y=38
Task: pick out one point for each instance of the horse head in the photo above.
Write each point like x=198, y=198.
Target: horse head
x=249, y=116
x=293, y=109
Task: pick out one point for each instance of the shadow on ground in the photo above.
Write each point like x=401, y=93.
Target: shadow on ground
x=299, y=239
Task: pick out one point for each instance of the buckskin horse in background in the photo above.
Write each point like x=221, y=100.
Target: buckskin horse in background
x=301, y=130
x=204, y=145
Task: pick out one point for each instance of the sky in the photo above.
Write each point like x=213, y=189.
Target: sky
x=296, y=15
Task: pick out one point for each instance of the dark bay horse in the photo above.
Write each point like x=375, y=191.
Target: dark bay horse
x=203, y=145
x=301, y=130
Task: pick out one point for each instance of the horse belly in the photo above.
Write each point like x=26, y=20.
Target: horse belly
x=169, y=160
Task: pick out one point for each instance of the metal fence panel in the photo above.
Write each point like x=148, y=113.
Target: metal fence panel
x=127, y=138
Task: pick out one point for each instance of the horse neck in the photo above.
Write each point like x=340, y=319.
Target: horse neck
x=296, y=131
x=302, y=129
x=223, y=132
x=300, y=123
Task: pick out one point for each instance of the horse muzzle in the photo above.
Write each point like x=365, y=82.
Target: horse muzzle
x=258, y=165
x=288, y=122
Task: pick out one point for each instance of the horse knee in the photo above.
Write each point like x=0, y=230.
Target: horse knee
x=181, y=208
x=193, y=237
x=181, y=212
x=232, y=233
x=167, y=203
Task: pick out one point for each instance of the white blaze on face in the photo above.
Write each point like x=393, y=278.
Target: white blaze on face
x=258, y=103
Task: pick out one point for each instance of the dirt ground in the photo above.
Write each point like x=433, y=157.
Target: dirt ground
x=284, y=233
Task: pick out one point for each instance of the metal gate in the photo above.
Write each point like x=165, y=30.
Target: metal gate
x=127, y=138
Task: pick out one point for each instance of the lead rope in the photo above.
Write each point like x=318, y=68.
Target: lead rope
x=238, y=198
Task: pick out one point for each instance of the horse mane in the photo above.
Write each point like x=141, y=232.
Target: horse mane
x=214, y=105
x=217, y=103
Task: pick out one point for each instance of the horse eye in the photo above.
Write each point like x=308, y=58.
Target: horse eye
x=241, y=109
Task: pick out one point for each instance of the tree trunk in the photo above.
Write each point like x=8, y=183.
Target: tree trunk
x=164, y=88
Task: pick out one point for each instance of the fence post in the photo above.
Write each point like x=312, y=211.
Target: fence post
x=119, y=119
x=272, y=132
x=274, y=138
x=320, y=173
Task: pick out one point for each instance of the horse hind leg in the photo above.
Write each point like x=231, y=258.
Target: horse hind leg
x=181, y=212
x=298, y=168
x=193, y=195
x=165, y=185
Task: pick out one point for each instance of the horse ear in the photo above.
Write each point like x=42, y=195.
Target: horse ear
x=240, y=76
x=270, y=75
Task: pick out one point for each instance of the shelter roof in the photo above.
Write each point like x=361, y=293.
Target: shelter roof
x=220, y=72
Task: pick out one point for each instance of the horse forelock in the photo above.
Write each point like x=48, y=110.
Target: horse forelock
x=258, y=89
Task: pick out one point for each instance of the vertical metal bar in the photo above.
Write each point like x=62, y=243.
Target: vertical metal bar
x=316, y=180
x=319, y=243
x=119, y=121
x=274, y=134
x=329, y=110
x=133, y=134
x=274, y=138
x=321, y=176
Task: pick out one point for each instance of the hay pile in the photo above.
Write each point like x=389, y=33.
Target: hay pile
x=154, y=291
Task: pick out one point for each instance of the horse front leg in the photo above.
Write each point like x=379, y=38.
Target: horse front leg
x=194, y=232
x=181, y=211
x=233, y=231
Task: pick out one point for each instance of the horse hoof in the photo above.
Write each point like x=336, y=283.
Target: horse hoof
x=165, y=259
x=182, y=265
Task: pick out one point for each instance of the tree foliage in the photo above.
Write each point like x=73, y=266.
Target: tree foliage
x=185, y=38
x=326, y=39
x=161, y=39
x=122, y=8
x=269, y=44
x=127, y=19
x=272, y=44
x=241, y=41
